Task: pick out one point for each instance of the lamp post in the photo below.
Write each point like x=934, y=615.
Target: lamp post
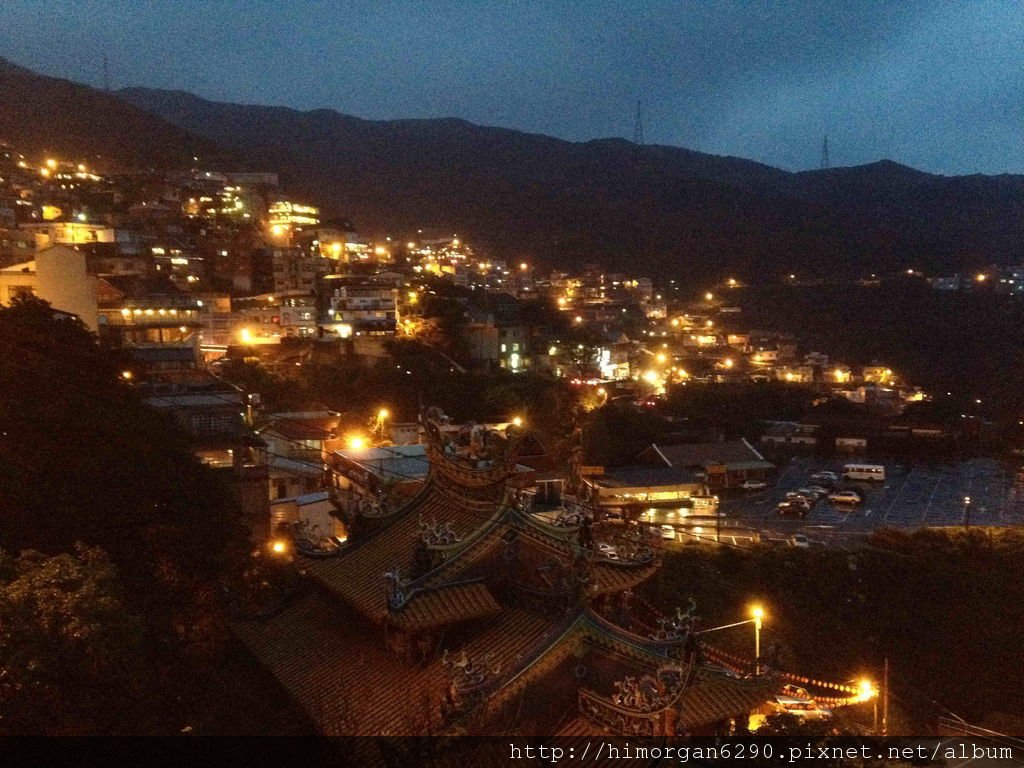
x=967, y=512
x=868, y=692
x=758, y=613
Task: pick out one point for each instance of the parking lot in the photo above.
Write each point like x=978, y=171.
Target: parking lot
x=912, y=496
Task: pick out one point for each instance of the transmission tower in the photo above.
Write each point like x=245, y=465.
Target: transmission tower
x=824, y=154
x=638, y=126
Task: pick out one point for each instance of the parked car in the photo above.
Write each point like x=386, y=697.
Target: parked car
x=802, y=496
x=812, y=492
x=825, y=478
x=818, y=491
x=668, y=532
x=792, y=508
x=844, y=497
x=754, y=485
x=799, y=540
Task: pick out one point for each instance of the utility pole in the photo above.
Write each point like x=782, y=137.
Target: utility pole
x=638, y=126
x=885, y=698
x=825, y=165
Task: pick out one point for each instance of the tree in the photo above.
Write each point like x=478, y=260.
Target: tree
x=67, y=643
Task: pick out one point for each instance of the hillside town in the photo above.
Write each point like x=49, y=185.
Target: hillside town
x=495, y=548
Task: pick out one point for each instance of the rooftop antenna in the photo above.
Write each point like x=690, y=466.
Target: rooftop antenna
x=825, y=165
x=638, y=126
x=106, y=73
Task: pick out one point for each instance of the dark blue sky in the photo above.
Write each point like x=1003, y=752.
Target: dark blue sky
x=936, y=85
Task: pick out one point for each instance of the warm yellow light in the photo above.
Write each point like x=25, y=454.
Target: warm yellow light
x=524, y=266
x=383, y=413
x=81, y=168
x=675, y=322
x=517, y=421
x=662, y=358
x=410, y=245
x=356, y=442
x=380, y=250
x=278, y=547
x=789, y=376
x=245, y=335
x=579, y=319
x=455, y=242
x=757, y=612
x=126, y=375
x=732, y=282
x=728, y=362
x=51, y=163
x=561, y=301
x=277, y=230
x=651, y=377
x=45, y=172
x=336, y=249
x=980, y=277
x=866, y=690
x=710, y=323
x=413, y=297
x=552, y=351
x=601, y=391
x=709, y=296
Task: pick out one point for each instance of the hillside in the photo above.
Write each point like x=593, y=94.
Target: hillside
x=665, y=211
x=44, y=114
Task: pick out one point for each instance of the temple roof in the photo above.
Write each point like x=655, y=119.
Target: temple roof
x=349, y=683
x=358, y=576
x=714, y=696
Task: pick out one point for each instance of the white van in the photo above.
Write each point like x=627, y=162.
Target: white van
x=864, y=472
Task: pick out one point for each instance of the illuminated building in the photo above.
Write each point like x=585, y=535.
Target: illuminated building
x=366, y=306
x=285, y=217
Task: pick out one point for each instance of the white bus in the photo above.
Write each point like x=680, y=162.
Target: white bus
x=864, y=472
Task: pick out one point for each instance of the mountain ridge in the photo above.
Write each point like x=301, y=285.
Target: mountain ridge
x=665, y=211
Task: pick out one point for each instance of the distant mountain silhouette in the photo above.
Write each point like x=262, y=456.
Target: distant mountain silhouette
x=661, y=209
x=40, y=114
x=665, y=211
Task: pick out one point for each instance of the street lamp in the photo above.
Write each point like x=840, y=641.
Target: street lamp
x=967, y=512
x=866, y=691
x=758, y=613
x=382, y=416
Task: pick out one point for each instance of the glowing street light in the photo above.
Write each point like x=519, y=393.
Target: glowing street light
x=868, y=691
x=356, y=442
x=517, y=421
x=709, y=296
x=278, y=546
x=758, y=613
x=757, y=616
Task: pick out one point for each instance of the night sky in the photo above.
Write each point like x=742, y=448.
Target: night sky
x=937, y=85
